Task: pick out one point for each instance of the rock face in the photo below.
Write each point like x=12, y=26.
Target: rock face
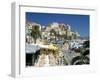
x=47, y=57
x=41, y=61
x=46, y=60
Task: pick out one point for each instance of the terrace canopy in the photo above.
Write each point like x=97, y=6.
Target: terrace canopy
x=32, y=48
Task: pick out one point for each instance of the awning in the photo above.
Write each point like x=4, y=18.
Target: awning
x=29, y=48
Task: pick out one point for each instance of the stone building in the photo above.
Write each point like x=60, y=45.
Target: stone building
x=57, y=29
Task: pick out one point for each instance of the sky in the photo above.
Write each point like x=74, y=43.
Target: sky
x=79, y=23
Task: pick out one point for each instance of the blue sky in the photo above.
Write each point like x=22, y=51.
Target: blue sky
x=79, y=23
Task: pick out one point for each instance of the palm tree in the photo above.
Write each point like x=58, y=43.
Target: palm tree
x=35, y=33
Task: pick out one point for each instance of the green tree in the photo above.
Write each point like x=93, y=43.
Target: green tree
x=35, y=33
x=79, y=60
x=84, y=55
x=65, y=61
x=86, y=44
x=66, y=35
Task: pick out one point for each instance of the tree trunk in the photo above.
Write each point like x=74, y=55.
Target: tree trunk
x=35, y=41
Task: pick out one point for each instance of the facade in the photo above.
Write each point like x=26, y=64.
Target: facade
x=56, y=30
